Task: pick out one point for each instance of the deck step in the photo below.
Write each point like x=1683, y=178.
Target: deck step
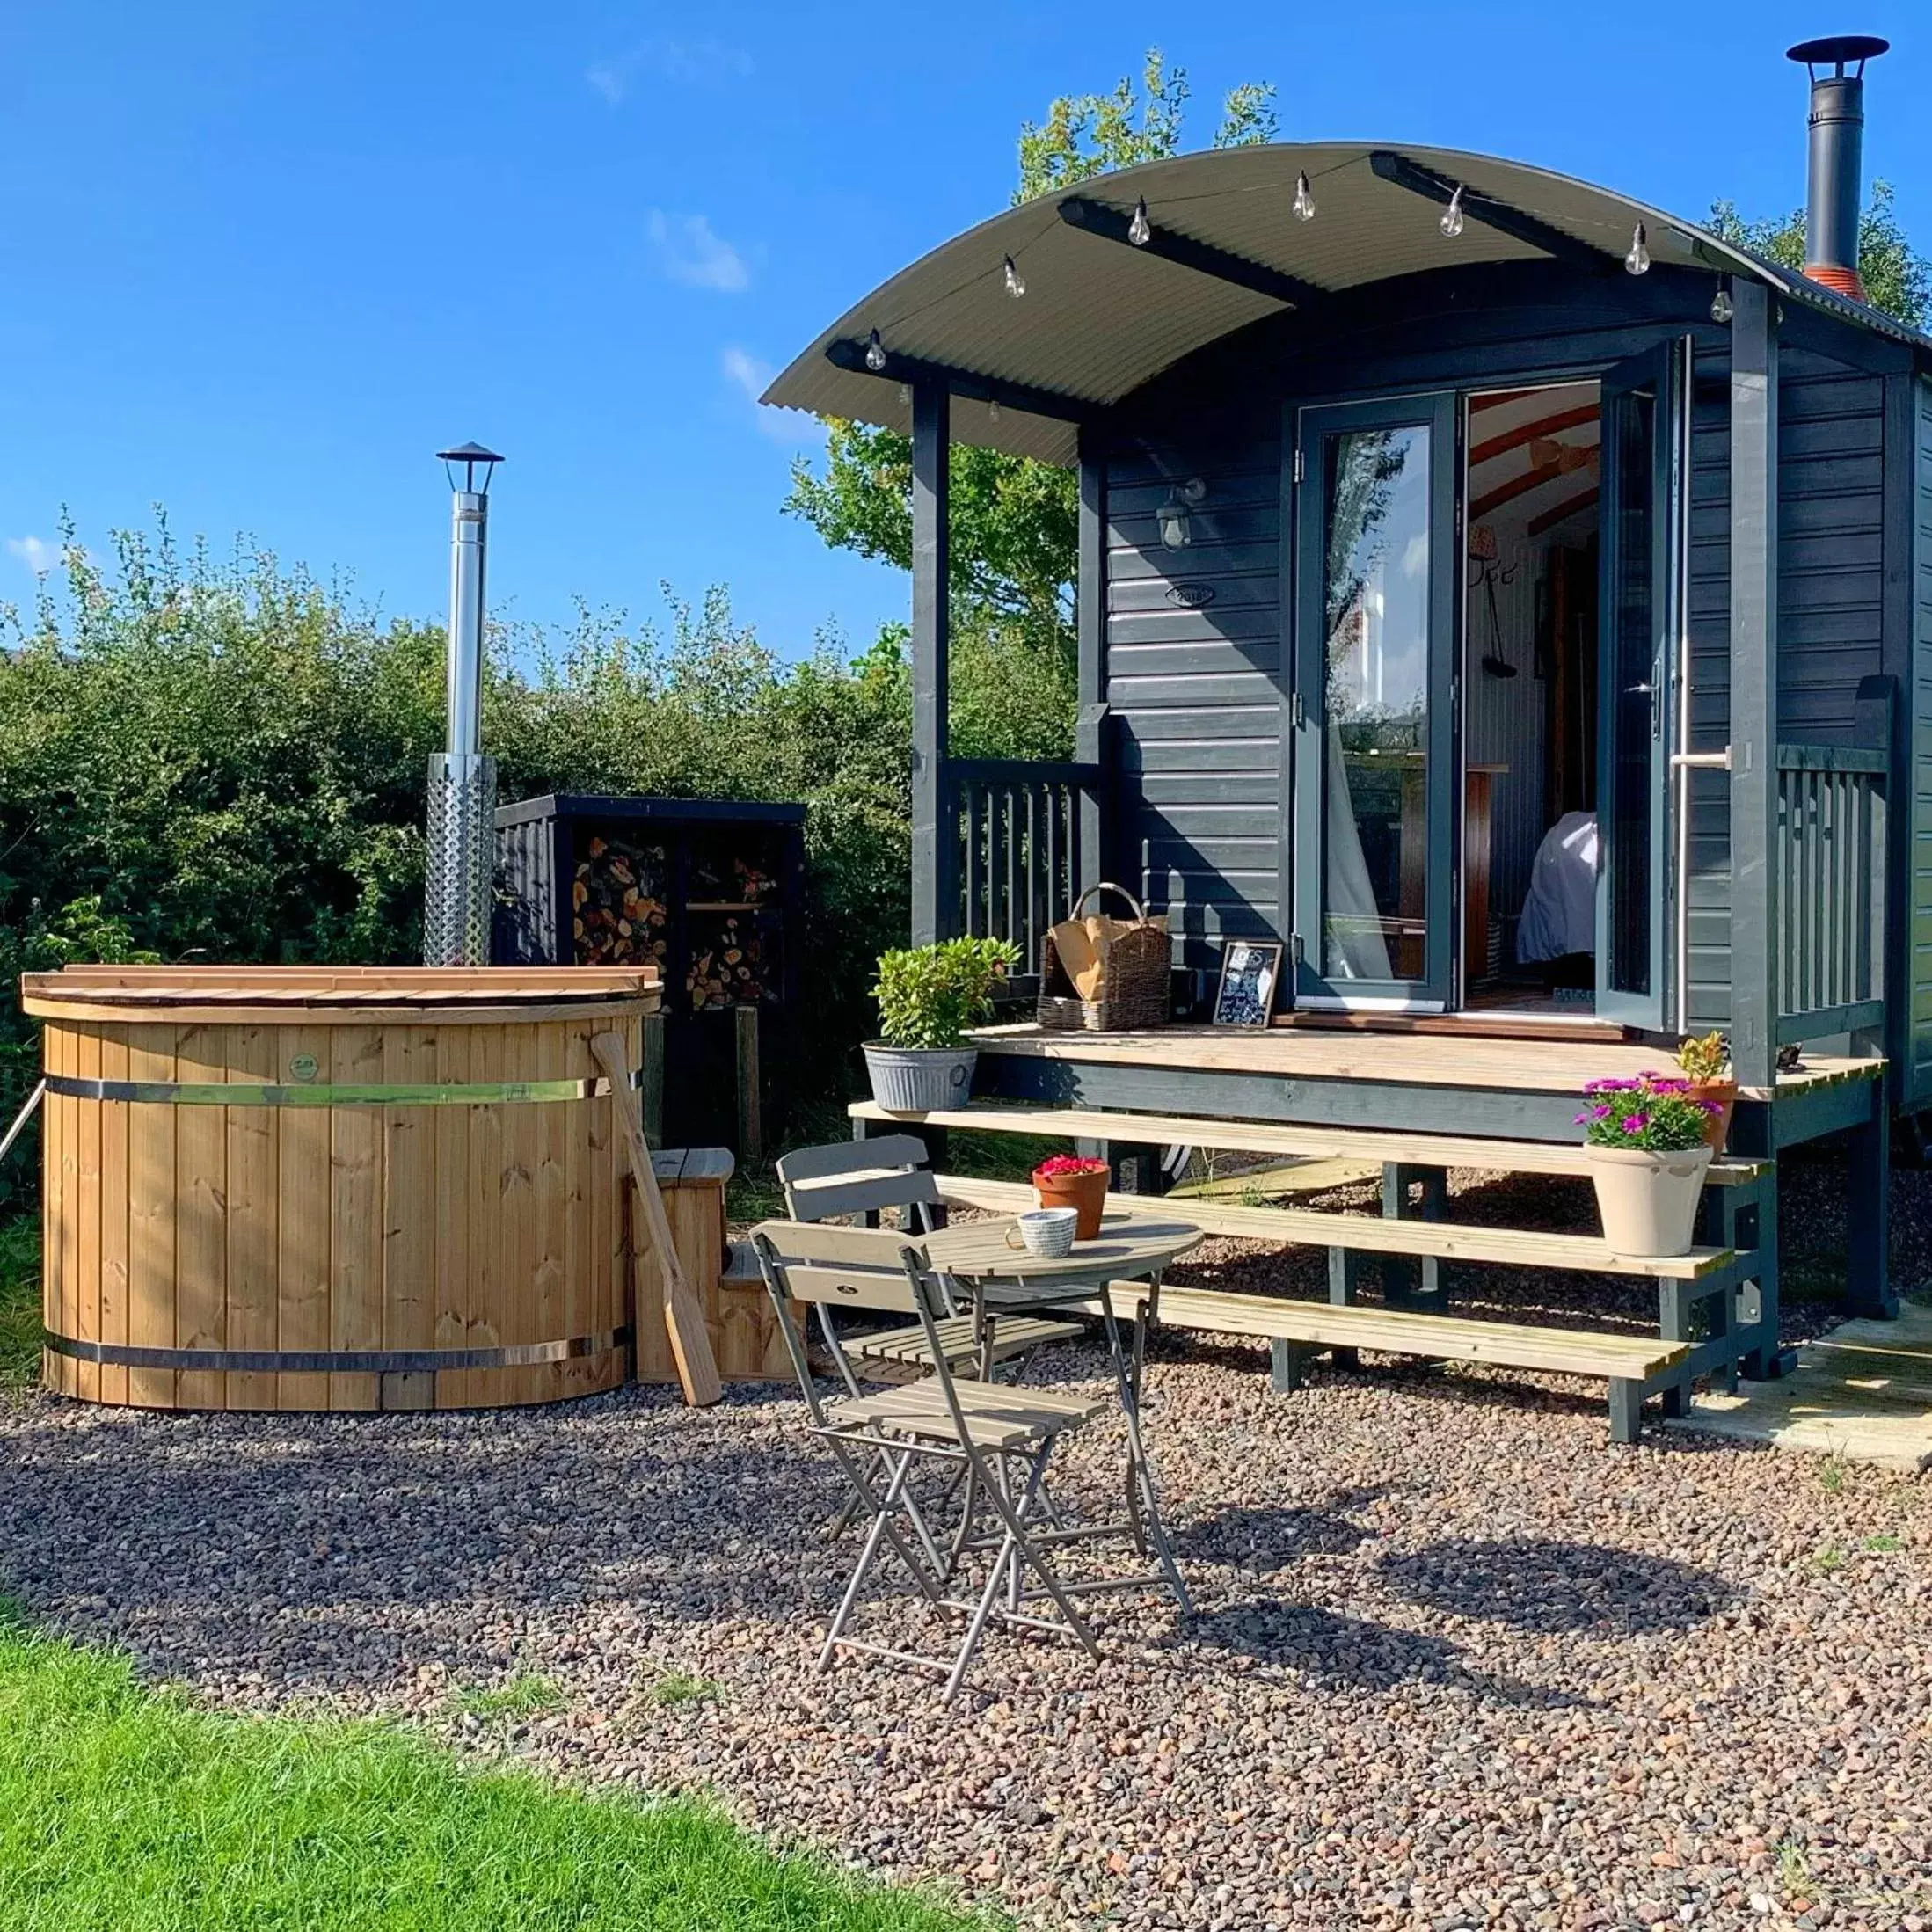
x=1312, y=1142
x=1506, y=1345
x=1364, y=1233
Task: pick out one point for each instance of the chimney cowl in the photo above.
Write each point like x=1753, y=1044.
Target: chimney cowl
x=1834, y=183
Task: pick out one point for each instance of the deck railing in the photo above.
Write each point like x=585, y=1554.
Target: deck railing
x=1828, y=953
x=1024, y=850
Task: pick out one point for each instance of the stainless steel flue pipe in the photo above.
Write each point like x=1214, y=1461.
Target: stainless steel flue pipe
x=462, y=827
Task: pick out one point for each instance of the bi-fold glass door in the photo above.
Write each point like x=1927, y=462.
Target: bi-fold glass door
x=1374, y=739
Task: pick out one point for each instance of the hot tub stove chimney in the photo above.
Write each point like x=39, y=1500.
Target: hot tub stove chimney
x=463, y=782
x=1837, y=156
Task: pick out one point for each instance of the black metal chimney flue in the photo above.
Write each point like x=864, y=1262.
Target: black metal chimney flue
x=1835, y=181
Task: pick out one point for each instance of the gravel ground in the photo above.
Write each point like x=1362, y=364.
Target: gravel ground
x=1457, y=1661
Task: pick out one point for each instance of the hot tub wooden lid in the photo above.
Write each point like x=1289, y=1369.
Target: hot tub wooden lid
x=337, y=995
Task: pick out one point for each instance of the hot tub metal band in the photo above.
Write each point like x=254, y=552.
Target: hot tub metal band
x=216, y=1094
x=340, y=1362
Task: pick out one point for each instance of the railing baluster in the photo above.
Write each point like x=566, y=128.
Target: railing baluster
x=1054, y=900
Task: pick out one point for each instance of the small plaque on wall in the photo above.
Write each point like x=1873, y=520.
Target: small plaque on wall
x=1250, y=969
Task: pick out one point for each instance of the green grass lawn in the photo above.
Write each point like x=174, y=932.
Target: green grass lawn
x=125, y=1810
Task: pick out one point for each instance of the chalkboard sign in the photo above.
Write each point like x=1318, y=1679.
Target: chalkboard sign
x=1249, y=970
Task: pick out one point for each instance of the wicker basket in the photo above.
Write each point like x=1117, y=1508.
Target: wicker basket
x=1139, y=966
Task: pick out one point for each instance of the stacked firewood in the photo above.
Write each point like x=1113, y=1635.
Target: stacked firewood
x=727, y=965
x=618, y=909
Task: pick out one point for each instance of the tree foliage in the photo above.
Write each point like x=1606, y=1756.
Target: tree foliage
x=1898, y=278
x=1015, y=522
x=224, y=760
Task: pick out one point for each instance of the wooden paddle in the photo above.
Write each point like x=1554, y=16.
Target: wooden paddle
x=683, y=1317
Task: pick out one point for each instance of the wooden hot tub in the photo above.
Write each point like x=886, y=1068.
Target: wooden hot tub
x=332, y=1188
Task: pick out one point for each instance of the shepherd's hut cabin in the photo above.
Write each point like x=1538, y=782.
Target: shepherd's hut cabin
x=1511, y=598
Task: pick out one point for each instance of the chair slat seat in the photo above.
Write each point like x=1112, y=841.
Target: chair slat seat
x=997, y=1415
x=908, y=1345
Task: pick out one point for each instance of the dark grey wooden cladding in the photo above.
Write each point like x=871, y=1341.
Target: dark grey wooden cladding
x=1193, y=687
x=1916, y=1047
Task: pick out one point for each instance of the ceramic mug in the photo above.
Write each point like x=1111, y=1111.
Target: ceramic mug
x=1045, y=1232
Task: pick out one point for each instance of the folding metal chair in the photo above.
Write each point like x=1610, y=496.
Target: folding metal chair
x=999, y=1437
x=868, y=1177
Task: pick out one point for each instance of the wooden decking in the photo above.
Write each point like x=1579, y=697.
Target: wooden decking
x=1547, y=1065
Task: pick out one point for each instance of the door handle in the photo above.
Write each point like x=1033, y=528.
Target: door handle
x=1640, y=690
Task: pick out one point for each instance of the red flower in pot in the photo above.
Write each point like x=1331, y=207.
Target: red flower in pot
x=1068, y=1181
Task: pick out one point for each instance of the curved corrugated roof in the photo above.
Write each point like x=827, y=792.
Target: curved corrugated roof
x=1098, y=319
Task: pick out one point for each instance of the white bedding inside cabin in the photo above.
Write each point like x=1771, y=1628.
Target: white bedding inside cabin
x=1560, y=910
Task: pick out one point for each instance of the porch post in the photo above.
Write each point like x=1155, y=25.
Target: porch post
x=935, y=834
x=1753, y=682
x=1091, y=606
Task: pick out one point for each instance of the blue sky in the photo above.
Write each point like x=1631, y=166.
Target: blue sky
x=264, y=260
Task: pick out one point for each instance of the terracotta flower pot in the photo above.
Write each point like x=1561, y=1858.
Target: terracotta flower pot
x=1724, y=1094
x=1085, y=1194
x=1648, y=1201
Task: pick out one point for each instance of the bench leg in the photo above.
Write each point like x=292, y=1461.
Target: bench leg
x=1344, y=1281
x=1288, y=1363
x=1626, y=1410
x=1404, y=1285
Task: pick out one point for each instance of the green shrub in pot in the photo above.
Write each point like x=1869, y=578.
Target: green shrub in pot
x=929, y=997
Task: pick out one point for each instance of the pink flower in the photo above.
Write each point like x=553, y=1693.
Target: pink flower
x=1634, y=1123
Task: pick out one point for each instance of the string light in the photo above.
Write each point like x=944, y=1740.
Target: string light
x=1638, y=260
x=1015, y=282
x=875, y=353
x=1304, y=199
x=1722, y=307
x=1451, y=223
x=1139, y=230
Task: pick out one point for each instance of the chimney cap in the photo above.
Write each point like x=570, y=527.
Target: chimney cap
x=468, y=452
x=1837, y=48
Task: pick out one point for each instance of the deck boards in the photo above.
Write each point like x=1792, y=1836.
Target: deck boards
x=1400, y=1059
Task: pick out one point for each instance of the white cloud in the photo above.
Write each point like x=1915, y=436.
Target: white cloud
x=36, y=552
x=685, y=64
x=746, y=373
x=690, y=252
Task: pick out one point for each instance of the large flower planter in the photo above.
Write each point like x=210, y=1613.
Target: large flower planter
x=919, y=1079
x=1648, y=1201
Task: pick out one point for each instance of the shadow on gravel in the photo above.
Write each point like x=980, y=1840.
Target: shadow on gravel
x=1267, y=1538
x=1552, y=1586
x=1337, y=1653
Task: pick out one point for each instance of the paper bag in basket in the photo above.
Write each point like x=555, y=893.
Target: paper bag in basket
x=1084, y=945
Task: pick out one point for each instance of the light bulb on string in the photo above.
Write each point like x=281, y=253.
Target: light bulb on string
x=1304, y=199
x=1451, y=223
x=1722, y=307
x=1015, y=282
x=1139, y=230
x=1638, y=262
x=875, y=353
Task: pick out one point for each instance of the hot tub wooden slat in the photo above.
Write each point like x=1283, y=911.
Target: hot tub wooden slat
x=408, y=1226
x=304, y=1231
x=201, y=1190
x=151, y=1215
x=456, y=1066
x=113, y=1219
x=254, y=1174
x=355, y=1275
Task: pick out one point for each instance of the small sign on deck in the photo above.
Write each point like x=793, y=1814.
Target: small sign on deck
x=1250, y=969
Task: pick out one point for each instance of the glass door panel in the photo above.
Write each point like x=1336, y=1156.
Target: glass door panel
x=1374, y=742
x=1640, y=588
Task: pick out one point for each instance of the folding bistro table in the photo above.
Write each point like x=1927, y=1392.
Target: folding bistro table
x=984, y=1258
